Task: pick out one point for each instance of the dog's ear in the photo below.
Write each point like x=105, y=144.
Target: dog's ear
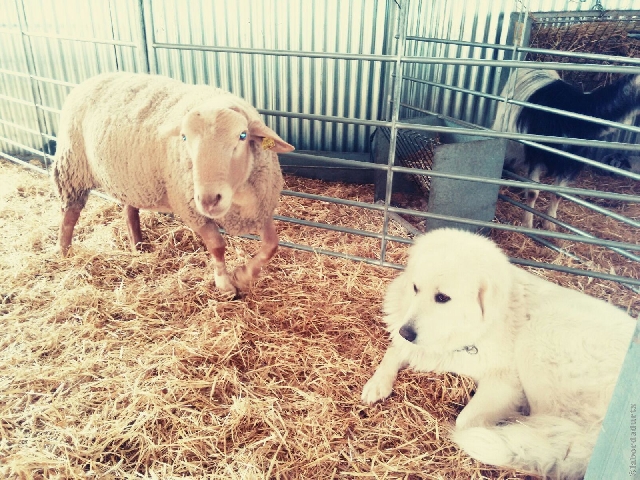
x=395, y=303
x=493, y=297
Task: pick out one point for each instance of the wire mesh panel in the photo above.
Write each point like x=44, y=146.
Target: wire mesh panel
x=415, y=150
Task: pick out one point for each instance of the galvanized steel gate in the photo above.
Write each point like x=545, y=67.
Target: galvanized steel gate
x=325, y=73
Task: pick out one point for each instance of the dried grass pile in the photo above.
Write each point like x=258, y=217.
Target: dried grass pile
x=122, y=365
x=609, y=36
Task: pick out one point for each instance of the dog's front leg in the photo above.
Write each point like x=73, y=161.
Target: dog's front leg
x=495, y=399
x=380, y=385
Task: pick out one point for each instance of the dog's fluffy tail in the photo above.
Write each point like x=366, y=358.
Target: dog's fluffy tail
x=548, y=445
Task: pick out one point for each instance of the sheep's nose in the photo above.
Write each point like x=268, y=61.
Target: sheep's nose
x=408, y=333
x=209, y=202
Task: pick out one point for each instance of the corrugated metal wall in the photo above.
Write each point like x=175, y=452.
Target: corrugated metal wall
x=310, y=65
x=66, y=42
x=322, y=86
x=72, y=40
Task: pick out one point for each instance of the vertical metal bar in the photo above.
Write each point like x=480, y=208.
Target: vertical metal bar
x=28, y=54
x=142, y=48
x=145, y=13
x=395, y=113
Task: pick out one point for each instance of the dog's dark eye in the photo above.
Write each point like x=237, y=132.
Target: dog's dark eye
x=442, y=298
x=415, y=289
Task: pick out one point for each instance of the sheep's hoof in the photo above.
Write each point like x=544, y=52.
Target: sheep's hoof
x=141, y=247
x=242, y=278
x=550, y=226
x=225, y=285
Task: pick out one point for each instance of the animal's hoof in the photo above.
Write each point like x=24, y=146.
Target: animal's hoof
x=547, y=225
x=225, y=285
x=242, y=278
x=376, y=389
x=527, y=222
x=141, y=247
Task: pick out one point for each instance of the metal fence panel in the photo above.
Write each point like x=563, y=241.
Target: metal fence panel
x=322, y=69
x=325, y=86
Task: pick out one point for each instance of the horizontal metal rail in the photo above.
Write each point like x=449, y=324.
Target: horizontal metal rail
x=103, y=41
x=478, y=131
x=19, y=145
x=579, y=201
x=574, y=271
x=38, y=78
x=565, y=225
x=502, y=182
x=490, y=96
x=540, y=51
x=394, y=58
x=384, y=263
x=23, y=163
x=337, y=228
x=356, y=164
x=583, y=67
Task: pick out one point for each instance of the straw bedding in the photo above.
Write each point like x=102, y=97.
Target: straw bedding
x=611, y=37
x=122, y=365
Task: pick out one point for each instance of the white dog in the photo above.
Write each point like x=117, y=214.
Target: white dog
x=545, y=358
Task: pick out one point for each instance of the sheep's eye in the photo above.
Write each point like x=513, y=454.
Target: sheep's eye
x=442, y=298
x=243, y=135
x=415, y=288
x=184, y=138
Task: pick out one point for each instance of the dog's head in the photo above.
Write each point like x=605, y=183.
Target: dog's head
x=455, y=286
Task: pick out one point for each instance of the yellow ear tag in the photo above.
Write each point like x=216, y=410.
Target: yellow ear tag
x=268, y=143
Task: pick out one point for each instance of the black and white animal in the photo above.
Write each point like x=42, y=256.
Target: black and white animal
x=619, y=102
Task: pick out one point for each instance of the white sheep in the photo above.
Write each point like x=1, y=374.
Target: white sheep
x=156, y=143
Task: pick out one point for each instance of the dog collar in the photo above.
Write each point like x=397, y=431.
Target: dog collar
x=470, y=349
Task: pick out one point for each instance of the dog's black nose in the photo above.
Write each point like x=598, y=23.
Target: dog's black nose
x=408, y=333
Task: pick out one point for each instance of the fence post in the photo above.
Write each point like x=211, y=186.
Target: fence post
x=395, y=115
x=616, y=452
x=143, y=52
x=31, y=67
x=146, y=49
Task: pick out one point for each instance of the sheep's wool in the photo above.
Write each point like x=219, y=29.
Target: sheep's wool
x=111, y=123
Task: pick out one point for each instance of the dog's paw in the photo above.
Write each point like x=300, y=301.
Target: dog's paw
x=377, y=388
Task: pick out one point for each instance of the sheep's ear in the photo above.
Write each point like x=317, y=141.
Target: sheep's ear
x=269, y=139
x=169, y=129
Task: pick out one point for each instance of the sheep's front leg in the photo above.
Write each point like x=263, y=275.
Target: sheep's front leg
x=132, y=216
x=215, y=244
x=70, y=216
x=244, y=275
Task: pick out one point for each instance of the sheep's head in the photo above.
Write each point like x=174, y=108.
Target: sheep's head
x=222, y=142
